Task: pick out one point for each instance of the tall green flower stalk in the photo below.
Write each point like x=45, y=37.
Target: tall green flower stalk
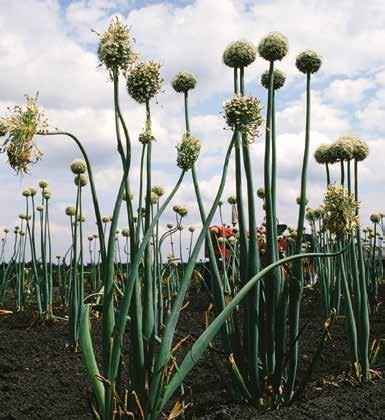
x=308, y=63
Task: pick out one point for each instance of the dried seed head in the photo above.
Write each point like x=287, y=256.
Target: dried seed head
x=183, y=82
x=239, y=54
x=273, y=47
x=21, y=126
x=308, y=62
x=187, y=152
x=144, y=81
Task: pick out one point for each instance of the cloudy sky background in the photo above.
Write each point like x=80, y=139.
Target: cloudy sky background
x=48, y=46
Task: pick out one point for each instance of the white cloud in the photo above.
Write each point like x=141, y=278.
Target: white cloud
x=347, y=91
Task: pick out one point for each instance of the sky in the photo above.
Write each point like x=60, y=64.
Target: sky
x=47, y=46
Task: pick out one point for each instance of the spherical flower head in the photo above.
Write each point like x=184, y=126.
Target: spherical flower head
x=180, y=210
x=115, y=48
x=232, y=200
x=22, y=216
x=187, y=152
x=17, y=228
x=183, y=82
x=239, y=54
x=375, y=218
x=26, y=192
x=47, y=195
x=273, y=47
x=39, y=208
x=43, y=183
x=310, y=215
x=81, y=218
x=191, y=229
x=70, y=211
x=342, y=149
x=125, y=232
x=32, y=191
x=158, y=190
x=22, y=233
x=261, y=193
x=81, y=180
x=154, y=198
x=146, y=137
x=95, y=236
x=180, y=228
x=340, y=211
x=6, y=230
x=232, y=240
x=279, y=79
x=169, y=226
x=78, y=166
x=361, y=149
x=308, y=62
x=317, y=213
x=144, y=81
x=106, y=219
x=243, y=113
x=322, y=154
x=90, y=238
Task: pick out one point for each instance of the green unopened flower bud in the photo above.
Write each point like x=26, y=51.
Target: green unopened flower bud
x=279, y=79
x=273, y=47
x=70, y=211
x=232, y=200
x=81, y=180
x=244, y=114
x=239, y=54
x=308, y=62
x=183, y=82
x=187, y=152
x=43, y=183
x=144, y=81
x=78, y=166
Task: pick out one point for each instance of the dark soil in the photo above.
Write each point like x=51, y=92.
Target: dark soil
x=41, y=379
